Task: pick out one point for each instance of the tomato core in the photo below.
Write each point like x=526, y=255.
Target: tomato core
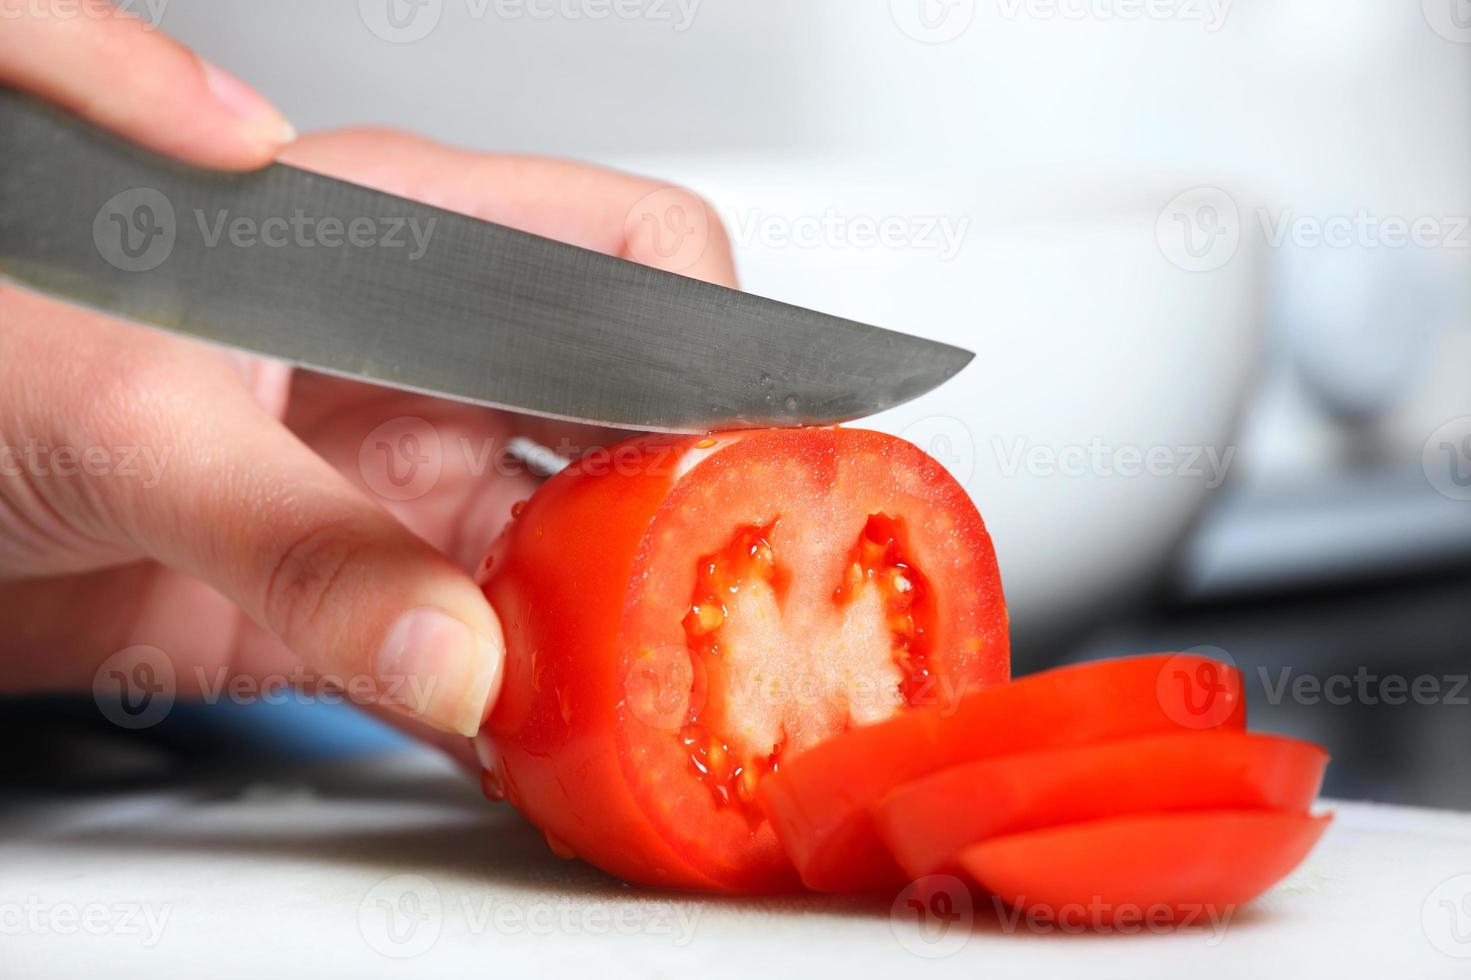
x=739, y=647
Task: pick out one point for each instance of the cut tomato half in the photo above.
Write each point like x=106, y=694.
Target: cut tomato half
x=1177, y=866
x=684, y=614
x=928, y=822
x=821, y=801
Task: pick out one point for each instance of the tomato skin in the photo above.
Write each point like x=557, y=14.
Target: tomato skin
x=564, y=578
x=821, y=802
x=927, y=823
x=1197, y=866
x=570, y=550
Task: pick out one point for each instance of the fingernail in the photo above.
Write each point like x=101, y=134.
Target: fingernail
x=262, y=120
x=435, y=668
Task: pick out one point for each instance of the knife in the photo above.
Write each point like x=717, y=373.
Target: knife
x=350, y=281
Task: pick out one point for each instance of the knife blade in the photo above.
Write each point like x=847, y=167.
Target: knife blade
x=350, y=281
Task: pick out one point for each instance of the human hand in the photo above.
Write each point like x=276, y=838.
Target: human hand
x=250, y=534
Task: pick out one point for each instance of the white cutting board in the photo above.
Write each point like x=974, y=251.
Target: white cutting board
x=295, y=877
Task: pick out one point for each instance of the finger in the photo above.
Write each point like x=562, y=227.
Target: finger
x=240, y=503
x=123, y=74
x=618, y=214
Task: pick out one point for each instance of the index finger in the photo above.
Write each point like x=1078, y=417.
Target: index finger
x=120, y=72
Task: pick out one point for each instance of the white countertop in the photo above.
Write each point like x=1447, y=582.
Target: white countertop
x=240, y=879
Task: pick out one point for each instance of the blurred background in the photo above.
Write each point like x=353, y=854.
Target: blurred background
x=1214, y=257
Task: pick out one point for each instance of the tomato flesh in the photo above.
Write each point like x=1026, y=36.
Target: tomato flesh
x=1190, y=866
x=821, y=801
x=679, y=625
x=927, y=823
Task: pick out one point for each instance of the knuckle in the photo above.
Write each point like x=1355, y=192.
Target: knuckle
x=306, y=571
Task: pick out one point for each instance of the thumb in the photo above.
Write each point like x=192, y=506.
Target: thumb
x=240, y=503
x=120, y=72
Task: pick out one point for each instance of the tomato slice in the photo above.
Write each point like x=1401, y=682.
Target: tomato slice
x=820, y=802
x=1180, y=866
x=928, y=822
x=684, y=614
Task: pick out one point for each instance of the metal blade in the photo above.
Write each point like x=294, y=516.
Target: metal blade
x=350, y=281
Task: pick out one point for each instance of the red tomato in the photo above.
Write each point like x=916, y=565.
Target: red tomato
x=682, y=615
x=1180, y=866
x=928, y=822
x=821, y=801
